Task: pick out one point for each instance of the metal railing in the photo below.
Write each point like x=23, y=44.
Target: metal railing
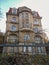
x=19, y=45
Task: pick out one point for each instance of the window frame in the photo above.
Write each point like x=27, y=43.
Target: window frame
x=26, y=37
x=14, y=11
x=13, y=28
x=36, y=30
x=27, y=24
x=13, y=19
x=35, y=22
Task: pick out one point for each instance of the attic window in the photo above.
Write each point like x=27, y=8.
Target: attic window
x=14, y=11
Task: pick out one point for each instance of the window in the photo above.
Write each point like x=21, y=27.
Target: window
x=23, y=24
x=14, y=11
x=26, y=15
x=12, y=49
x=13, y=19
x=38, y=40
x=35, y=30
x=26, y=37
x=23, y=20
x=29, y=49
x=24, y=49
x=13, y=28
x=35, y=22
x=12, y=39
x=22, y=15
x=27, y=24
x=39, y=49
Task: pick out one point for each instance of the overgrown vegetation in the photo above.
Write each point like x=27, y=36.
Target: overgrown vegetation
x=24, y=59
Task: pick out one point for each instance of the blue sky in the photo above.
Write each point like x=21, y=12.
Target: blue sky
x=4, y=7
x=42, y=6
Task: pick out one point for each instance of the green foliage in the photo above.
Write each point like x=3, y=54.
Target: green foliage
x=24, y=59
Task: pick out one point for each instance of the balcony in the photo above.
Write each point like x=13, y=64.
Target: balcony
x=17, y=45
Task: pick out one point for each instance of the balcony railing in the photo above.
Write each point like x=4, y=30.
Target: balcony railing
x=18, y=45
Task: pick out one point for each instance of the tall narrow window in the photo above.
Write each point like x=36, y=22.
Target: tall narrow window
x=23, y=20
x=12, y=49
x=26, y=37
x=22, y=24
x=27, y=24
x=24, y=49
x=23, y=15
x=29, y=49
x=26, y=15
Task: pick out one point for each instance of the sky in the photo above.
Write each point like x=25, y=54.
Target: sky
x=42, y=6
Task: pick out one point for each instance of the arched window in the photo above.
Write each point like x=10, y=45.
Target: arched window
x=38, y=39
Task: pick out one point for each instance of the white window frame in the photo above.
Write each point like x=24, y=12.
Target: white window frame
x=39, y=49
x=24, y=49
x=29, y=49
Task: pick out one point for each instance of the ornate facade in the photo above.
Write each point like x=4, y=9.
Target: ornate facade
x=23, y=27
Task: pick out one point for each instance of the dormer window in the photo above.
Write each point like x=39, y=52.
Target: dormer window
x=14, y=11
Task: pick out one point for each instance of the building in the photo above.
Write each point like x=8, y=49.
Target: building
x=23, y=27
